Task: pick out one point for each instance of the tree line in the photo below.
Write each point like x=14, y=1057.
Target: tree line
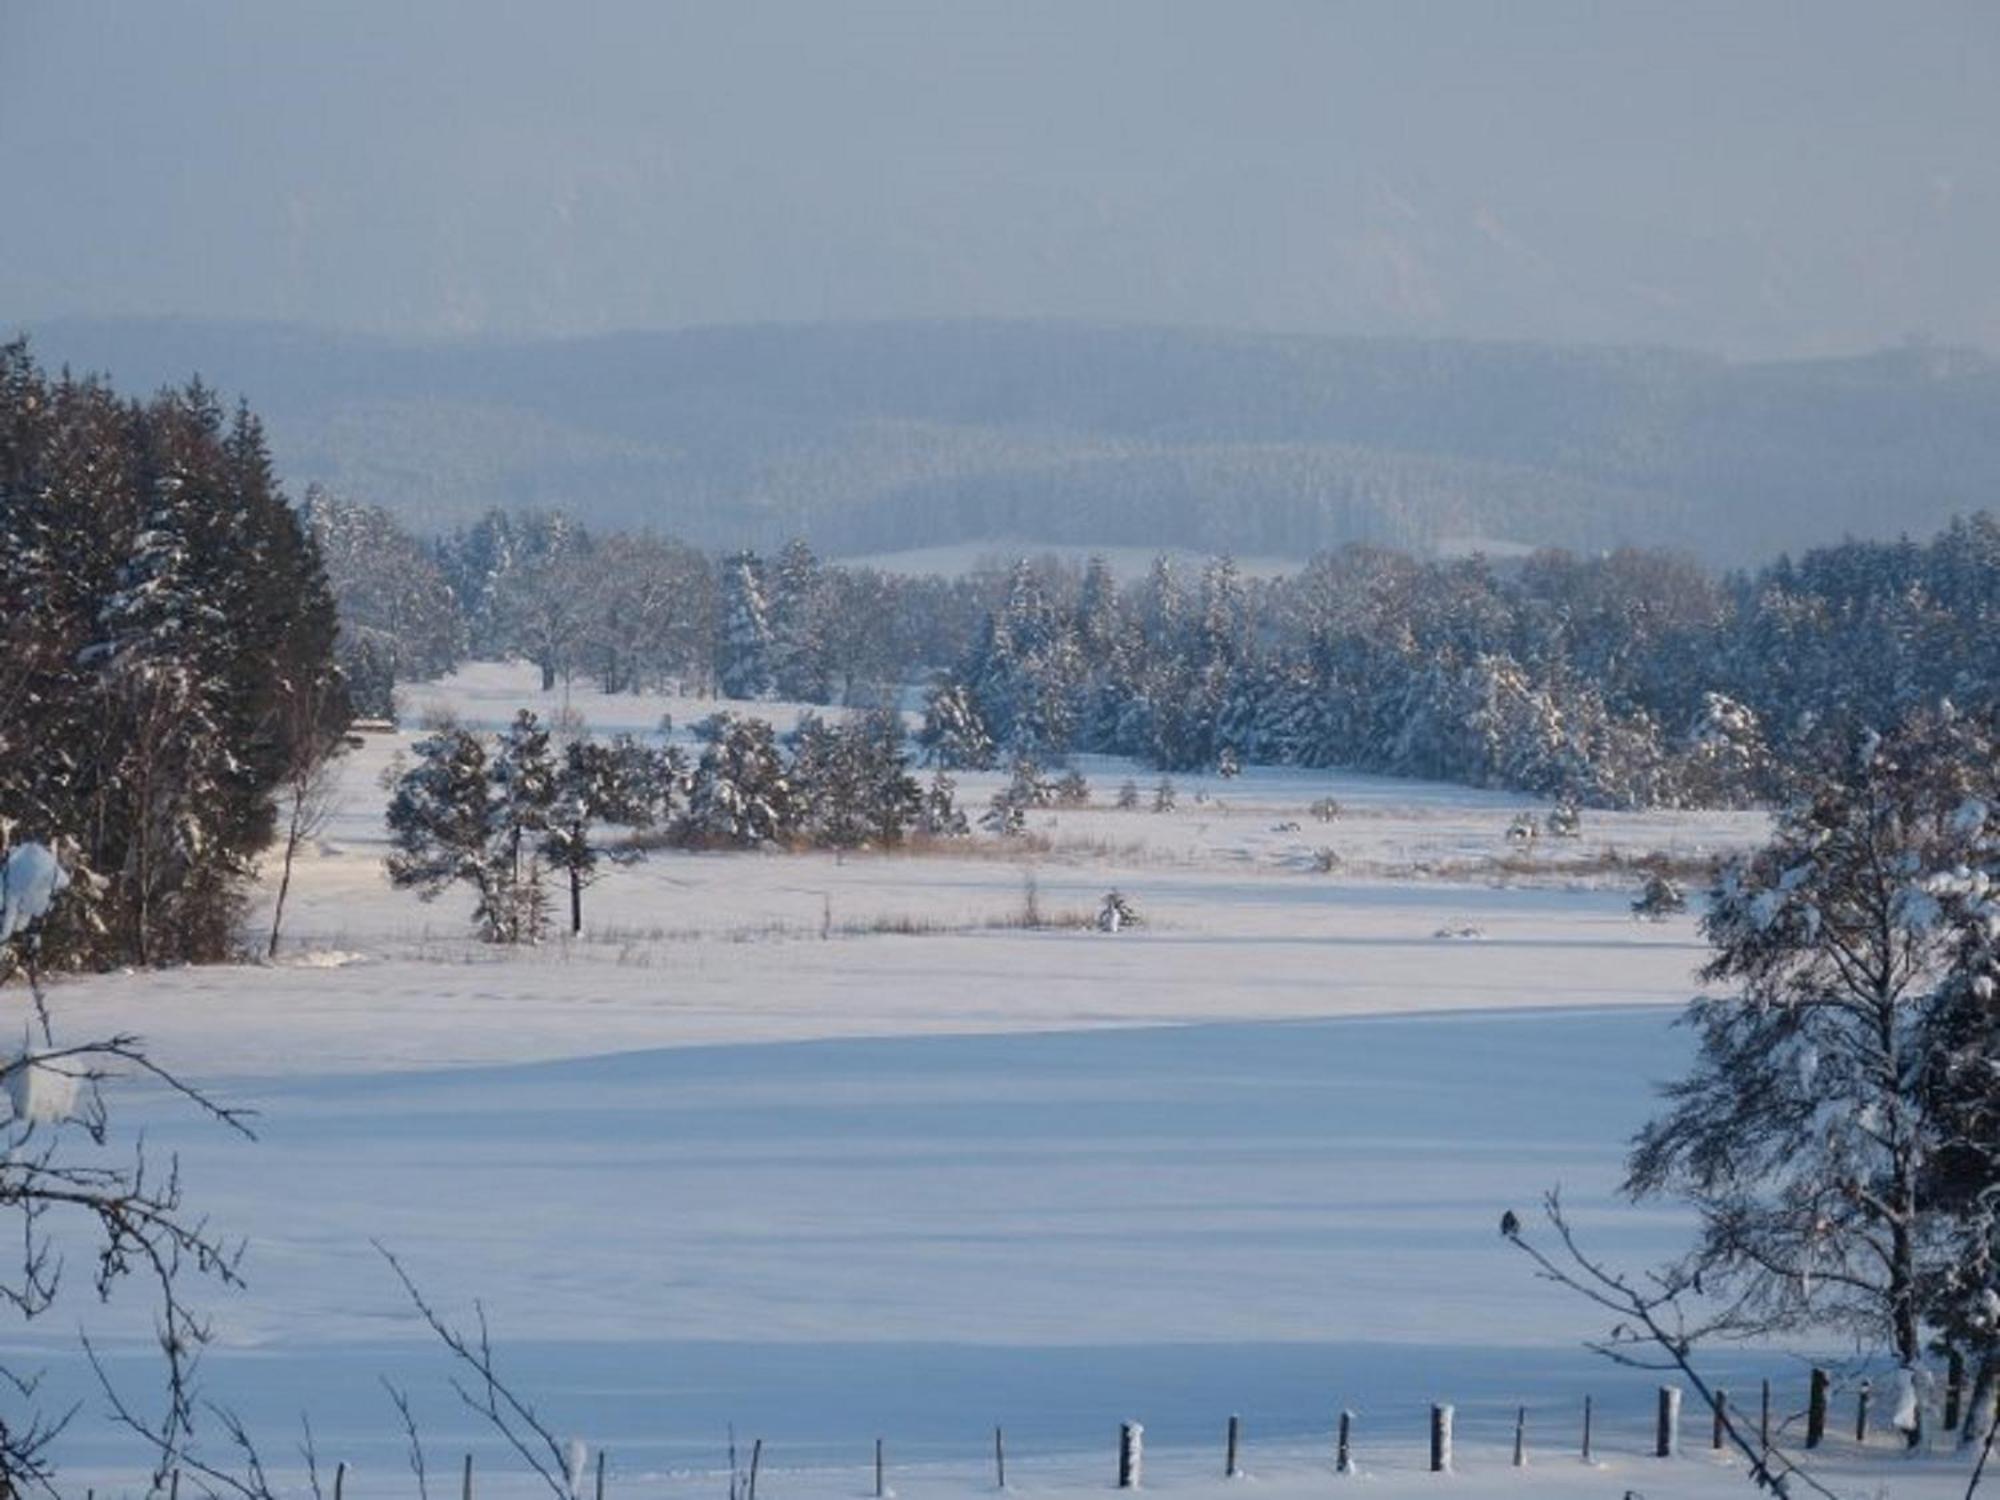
x=628, y=612
x=166, y=658
x=1633, y=679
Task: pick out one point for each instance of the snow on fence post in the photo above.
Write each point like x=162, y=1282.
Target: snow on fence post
x=1954, y=1388
x=1230, y=1468
x=999, y=1458
x=1521, y=1437
x=1721, y=1423
x=1667, y=1423
x=1440, y=1438
x=1861, y=1412
x=1131, y=1454
x=1343, y=1454
x=1586, y=1428
x=1816, y=1409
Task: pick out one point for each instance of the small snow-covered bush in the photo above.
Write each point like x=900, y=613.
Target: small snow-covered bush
x=1326, y=809
x=1116, y=913
x=1659, y=898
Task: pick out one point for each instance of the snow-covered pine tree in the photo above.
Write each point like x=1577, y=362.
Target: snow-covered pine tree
x=1805, y=1136
x=592, y=786
x=741, y=796
x=743, y=652
x=941, y=816
x=525, y=785
x=954, y=736
x=800, y=667
x=444, y=829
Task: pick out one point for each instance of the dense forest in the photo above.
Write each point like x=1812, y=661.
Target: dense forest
x=166, y=658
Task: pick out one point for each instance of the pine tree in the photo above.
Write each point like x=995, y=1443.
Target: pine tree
x=798, y=651
x=743, y=667
x=525, y=786
x=741, y=795
x=1805, y=1136
x=443, y=827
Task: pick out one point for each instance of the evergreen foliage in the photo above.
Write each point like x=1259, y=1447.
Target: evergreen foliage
x=160, y=608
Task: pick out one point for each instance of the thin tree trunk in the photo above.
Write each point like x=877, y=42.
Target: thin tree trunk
x=284, y=880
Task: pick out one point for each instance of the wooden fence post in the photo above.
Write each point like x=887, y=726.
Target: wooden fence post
x=465, y=1484
x=1230, y=1468
x=756, y=1463
x=1721, y=1419
x=999, y=1459
x=1816, y=1409
x=1343, y=1454
x=1667, y=1423
x=878, y=1469
x=1954, y=1388
x=1861, y=1412
x=1764, y=1424
x=1131, y=1455
x=600, y=1474
x=1441, y=1439
x=1586, y=1428
x=1521, y=1437
x=340, y=1480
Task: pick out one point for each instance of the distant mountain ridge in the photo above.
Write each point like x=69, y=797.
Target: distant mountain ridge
x=893, y=436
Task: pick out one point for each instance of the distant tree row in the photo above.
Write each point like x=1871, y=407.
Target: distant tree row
x=1628, y=680
x=166, y=658
x=504, y=815
x=627, y=612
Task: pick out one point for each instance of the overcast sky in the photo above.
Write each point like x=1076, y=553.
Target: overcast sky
x=1753, y=177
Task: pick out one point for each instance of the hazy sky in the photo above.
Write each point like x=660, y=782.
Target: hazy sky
x=1748, y=176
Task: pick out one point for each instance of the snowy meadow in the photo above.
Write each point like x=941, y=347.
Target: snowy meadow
x=819, y=1149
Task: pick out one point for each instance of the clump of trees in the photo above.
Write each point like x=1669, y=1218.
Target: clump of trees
x=166, y=658
x=503, y=815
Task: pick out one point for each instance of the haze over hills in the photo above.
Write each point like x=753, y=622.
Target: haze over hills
x=877, y=437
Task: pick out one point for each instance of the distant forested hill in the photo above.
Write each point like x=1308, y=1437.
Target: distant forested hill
x=876, y=437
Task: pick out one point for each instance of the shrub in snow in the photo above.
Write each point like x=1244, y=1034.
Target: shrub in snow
x=1115, y=913
x=1324, y=860
x=1564, y=821
x=1659, y=898
x=1164, y=796
x=1326, y=809
x=1128, y=795
x=1227, y=765
x=1073, y=790
x=1524, y=829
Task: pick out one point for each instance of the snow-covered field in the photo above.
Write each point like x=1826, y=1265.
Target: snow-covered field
x=821, y=1148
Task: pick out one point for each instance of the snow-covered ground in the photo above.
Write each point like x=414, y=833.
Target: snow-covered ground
x=819, y=1148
